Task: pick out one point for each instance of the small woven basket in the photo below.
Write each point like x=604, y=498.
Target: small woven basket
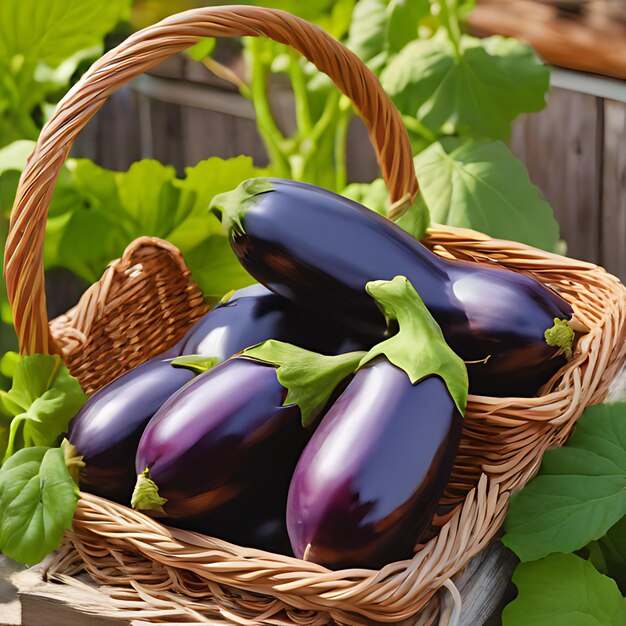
x=146, y=300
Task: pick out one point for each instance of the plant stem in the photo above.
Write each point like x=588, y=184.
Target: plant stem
x=269, y=131
x=298, y=84
x=450, y=20
x=414, y=125
x=227, y=74
x=341, y=134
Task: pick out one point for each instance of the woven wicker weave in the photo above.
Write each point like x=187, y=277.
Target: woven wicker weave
x=160, y=574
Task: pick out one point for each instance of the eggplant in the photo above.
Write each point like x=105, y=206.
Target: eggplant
x=319, y=249
x=106, y=431
x=254, y=314
x=222, y=449
x=368, y=482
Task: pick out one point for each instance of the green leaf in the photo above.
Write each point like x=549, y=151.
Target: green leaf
x=564, y=590
x=613, y=547
x=480, y=92
x=43, y=399
x=198, y=363
x=99, y=212
x=479, y=184
x=202, y=49
x=418, y=347
x=13, y=157
x=380, y=28
x=37, y=502
x=579, y=493
x=309, y=378
x=8, y=363
x=56, y=33
x=375, y=196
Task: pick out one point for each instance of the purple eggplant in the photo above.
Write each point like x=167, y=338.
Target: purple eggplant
x=255, y=314
x=106, y=431
x=367, y=484
x=222, y=449
x=320, y=249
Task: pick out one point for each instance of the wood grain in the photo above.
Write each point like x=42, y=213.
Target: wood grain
x=561, y=147
x=613, y=240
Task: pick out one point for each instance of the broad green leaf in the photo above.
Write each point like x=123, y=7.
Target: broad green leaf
x=479, y=92
x=579, y=493
x=479, y=184
x=418, y=347
x=37, y=502
x=613, y=547
x=309, y=378
x=368, y=32
x=202, y=49
x=52, y=34
x=99, y=212
x=375, y=196
x=404, y=17
x=215, y=268
x=381, y=28
x=43, y=399
x=564, y=590
x=13, y=157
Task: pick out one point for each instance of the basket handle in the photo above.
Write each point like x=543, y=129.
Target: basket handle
x=23, y=258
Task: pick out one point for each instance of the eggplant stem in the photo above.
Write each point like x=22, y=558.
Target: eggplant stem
x=73, y=460
x=146, y=494
x=561, y=336
x=478, y=361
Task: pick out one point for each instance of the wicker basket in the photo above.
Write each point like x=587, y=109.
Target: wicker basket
x=146, y=300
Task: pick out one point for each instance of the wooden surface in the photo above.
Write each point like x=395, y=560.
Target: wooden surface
x=592, y=38
x=562, y=149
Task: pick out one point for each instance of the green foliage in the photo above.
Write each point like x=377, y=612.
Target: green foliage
x=471, y=183
x=40, y=48
x=479, y=184
x=580, y=492
x=37, y=502
x=564, y=590
x=110, y=209
x=478, y=90
x=42, y=400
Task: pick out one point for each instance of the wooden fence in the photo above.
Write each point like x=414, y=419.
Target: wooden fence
x=575, y=149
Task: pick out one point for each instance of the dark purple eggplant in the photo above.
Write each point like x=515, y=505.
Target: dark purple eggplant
x=106, y=431
x=319, y=249
x=222, y=449
x=368, y=482
x=255, y=314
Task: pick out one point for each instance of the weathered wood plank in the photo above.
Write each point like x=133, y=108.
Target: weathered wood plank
x=561, y=147
x=613, y=240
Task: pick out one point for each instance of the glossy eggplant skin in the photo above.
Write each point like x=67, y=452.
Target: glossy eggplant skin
x=320, y=249
x=367, y=484
x=106, y=431
x=224, y=447
x=253, y=315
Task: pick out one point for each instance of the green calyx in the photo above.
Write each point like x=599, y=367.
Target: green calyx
x=309, y=378
x=560, y=336
x=196, y=362
x=230, y=206
x=73, y=461
x=146, y=495
x=418, y=347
